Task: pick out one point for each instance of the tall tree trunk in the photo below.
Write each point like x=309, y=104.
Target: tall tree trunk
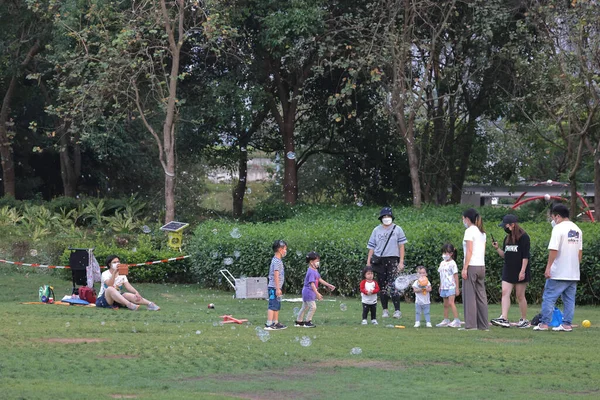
x=240, y=188
x=6, y=155
x=406, y=128
x=463, y=152
x=70, y=161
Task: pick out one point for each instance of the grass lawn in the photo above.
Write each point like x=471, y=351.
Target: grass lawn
x=182, y=352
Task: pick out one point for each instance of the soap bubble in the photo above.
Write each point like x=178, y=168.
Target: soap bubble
x=237, y=254
x=215, y=231
x=343, y=307
x=133, y=330
x=389, y=326
x=232, y=327
x=228, y=261
x=248, y=191
x=102, y=323
x=146, y=229
x=404, y=281
x=291, y=155
x=198, y=332
x=214, y=254
x=305, y=341
x=359, y=203
x=298, y=253
x=235, y=233
x=33, y=252
x=215, y=324
x=296, y=311
x=262, y=334
x=356, y=350
x=68, y=324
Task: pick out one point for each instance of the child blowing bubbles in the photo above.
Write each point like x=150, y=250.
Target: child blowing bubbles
x=368, y=291
x=422, y=289
x=449, y=289
x=310, y=292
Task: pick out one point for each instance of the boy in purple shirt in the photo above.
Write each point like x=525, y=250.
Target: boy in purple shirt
x=310, y=292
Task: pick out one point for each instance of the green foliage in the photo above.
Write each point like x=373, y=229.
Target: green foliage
x=339, y=235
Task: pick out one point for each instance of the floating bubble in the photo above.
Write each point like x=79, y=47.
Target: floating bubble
x=298, y=253
x=404, y=281
x=237, y=254
x=343, y=307
x=389, y=326
x=228, y=261
x=263, y=335
x=214, y=254
x=215, y=324
x=19, y=323
x=248, y=191
x=33, y=252
x=356, y=350
x=291, y=155
x=68, y=324
x=215, y=231
x=232, y=328
x=146, y=229
x=133, y=330
x=134, y=250
x=198, y=332
x=102, y=323
x=235, y=233
x=305, y=341
x=296, y=311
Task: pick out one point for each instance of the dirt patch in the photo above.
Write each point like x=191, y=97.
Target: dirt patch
x=116, y=356
x=273, y=394
x=167, y=295
x=74, y=340
x=517, y=341
x=124, y=396
x=375, y=364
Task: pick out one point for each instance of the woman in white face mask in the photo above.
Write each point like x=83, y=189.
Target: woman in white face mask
x=386, y=257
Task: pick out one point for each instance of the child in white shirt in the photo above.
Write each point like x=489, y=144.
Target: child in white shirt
x=422, y=289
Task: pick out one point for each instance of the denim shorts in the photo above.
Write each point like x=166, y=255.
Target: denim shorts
x=101, y=302
x=274, y=301
x=447, y=292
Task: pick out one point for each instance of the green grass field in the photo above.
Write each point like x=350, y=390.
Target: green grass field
x=182, y=352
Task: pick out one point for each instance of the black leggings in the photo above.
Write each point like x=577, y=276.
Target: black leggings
x=387, y=270
x=369, y=307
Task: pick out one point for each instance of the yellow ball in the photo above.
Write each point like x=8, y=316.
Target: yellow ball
x=586, y=324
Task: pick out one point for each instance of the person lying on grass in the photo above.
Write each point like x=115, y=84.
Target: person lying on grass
x=113, y=283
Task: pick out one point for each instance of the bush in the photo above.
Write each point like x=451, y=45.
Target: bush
x=340, y=235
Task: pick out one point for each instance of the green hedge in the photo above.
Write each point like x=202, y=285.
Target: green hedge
x=340, y=235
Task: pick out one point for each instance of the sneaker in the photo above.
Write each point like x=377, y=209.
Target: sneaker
x=397, y=314
x=428, y=324
x=444, y=323
x=269, y=327
x=385, y=314
x=500, y=322
x=299, y=323
x=309, y=324
x=152, y=307
x=364, y=322
x=563, y=328
x=523, y=323
x=454, y=324
x=133, y=307
x=417, y=324
x=374, y=322
x=540, y=327
x=280, y=327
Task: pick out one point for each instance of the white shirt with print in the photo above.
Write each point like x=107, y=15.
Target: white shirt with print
x=420, y=298
x=567, y=239
x=119, y=281
x=447, y=270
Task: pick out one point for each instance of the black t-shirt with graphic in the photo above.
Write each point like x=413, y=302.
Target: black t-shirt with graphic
x=513, y=260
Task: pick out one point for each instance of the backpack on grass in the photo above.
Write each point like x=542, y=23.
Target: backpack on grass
x=88, y=294
x=46, y=293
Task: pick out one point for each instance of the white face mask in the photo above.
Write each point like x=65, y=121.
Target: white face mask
x=386, y=221
x=114, y=265
x=446, y=257
x=317, y=264
x=553, y=223
x=465, y=224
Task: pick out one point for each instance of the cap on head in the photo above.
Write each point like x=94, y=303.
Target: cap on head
x=386, y=211
x=508, y=219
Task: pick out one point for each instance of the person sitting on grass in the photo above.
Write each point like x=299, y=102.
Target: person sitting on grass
x=113, y=283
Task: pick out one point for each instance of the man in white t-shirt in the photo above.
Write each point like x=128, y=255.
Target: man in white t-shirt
x=113, y=287
x=562, y=269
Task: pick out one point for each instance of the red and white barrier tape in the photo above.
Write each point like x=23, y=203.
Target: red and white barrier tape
x=66, y=266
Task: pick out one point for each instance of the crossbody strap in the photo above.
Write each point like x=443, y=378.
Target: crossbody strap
x=388, y=240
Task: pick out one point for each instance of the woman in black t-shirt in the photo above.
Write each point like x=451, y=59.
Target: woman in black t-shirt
x=516, y=271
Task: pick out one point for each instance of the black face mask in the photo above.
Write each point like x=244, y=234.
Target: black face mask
x=508, y=231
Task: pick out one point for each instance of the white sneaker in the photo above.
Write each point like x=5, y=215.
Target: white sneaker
x=385, y=314
x=397, y=314
x=364, y=322
x=428, y=324
x=417, y=324
x=374, y=322
x=454, y=324
x=444, y=323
